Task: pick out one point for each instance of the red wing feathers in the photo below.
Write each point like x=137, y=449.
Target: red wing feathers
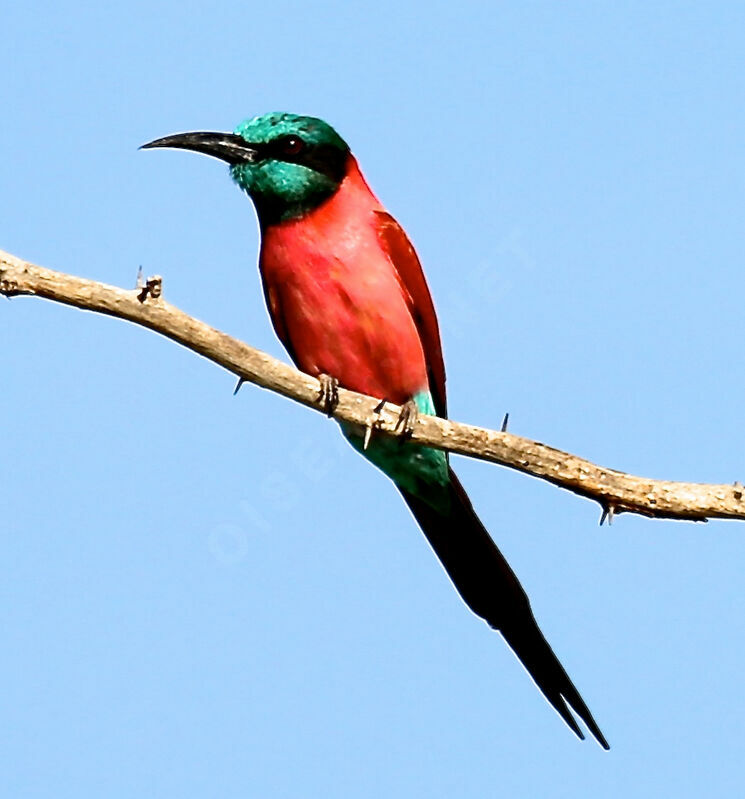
x=406, y=263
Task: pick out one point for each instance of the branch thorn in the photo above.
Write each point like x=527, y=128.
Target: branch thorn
x=608, y=513
x=372, y=422
x=153, y=287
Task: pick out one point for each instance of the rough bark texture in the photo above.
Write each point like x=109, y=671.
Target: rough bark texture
x=616, y=492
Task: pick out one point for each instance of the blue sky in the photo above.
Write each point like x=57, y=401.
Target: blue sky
x=214, y=596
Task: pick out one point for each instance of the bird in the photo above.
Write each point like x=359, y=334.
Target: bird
x=348, y=299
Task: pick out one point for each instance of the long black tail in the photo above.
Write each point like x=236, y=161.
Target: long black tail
x=490, y=588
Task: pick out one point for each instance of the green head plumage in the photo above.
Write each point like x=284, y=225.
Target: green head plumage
x=305, y=161
x=288, y=164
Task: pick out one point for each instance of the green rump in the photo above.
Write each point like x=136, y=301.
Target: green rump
x=422, y=471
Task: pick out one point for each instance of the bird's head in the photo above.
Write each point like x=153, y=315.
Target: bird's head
x=288, y=164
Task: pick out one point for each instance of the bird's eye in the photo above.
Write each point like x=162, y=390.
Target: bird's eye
x=291, y=145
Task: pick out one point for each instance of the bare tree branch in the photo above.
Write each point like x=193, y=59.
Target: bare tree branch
x=616, y=492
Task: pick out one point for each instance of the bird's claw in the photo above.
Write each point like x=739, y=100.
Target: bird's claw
x=328, y=396
x=407, y=419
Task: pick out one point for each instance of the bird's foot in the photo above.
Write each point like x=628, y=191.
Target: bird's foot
x=407, y=419
x=373, y=421
x=328, y=396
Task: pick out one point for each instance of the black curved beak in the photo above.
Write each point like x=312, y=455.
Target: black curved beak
x=228, y=147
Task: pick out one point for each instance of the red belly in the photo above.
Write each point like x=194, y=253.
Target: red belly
x=338, y=304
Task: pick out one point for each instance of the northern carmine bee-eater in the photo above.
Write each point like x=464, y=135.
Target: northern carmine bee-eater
x=348, y=298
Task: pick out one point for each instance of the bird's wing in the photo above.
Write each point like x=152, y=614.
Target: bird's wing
x=404, y=259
